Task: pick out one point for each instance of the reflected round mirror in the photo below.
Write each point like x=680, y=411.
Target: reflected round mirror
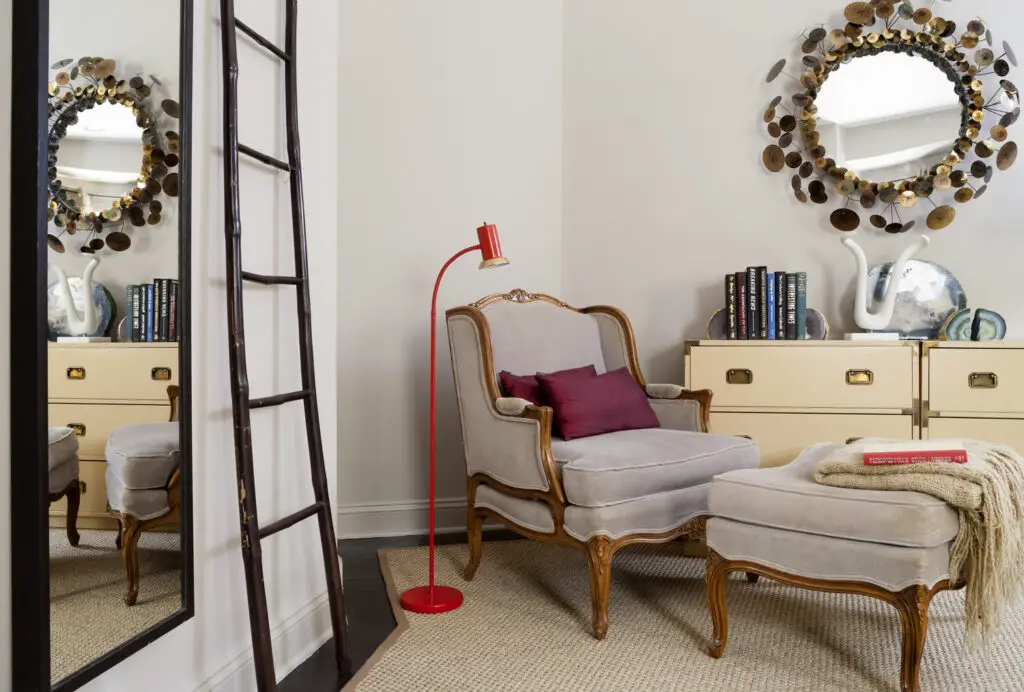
x=100, y=157
x=889, y=116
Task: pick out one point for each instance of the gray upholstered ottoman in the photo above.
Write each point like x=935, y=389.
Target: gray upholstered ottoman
x=143, y=470
x=781, y=524
x=62, y=470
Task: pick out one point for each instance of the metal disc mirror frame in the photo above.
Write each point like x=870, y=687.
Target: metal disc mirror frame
x=885, y=140
x=96, y=113
x=30, y=652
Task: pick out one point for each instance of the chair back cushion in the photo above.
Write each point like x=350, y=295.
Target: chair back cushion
x=528, y=338
x=585, y=407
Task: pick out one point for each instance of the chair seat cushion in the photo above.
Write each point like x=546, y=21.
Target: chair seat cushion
x=141, y=504
x=144, y=455
x=789, y=498
x=60, y=477
x=62, y=446
x=630, y=464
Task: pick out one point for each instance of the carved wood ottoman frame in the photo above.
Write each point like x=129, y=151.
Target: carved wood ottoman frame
x=911, y=603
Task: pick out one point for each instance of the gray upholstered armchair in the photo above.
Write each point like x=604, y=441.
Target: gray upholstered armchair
x=596, y=494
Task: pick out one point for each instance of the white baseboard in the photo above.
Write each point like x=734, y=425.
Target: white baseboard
x=294, y=641
x=400, y=518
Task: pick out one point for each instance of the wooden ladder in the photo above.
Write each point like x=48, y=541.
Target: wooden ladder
x=241, y=404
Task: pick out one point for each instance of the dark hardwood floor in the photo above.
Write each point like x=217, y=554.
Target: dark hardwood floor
x=370, y=619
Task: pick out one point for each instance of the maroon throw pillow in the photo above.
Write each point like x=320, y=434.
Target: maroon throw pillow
x=527, y=387
x=597, y=405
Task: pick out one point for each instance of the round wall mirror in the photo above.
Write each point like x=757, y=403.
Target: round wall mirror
x=888, y=116
x=111, y=155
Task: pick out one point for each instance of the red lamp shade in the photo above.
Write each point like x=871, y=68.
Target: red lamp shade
x=490, y=248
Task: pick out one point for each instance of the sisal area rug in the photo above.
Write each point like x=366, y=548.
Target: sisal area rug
x=525, y=625
x=88, y=617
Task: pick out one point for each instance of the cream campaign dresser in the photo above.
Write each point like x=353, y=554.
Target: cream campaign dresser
x=96, y=388
x=786, y=395
x=974, y=390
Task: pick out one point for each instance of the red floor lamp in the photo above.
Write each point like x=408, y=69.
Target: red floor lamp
x=432, y=598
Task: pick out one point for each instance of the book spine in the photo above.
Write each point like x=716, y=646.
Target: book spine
x=172, y=312
x=801, y=305
x=158, y=288
x=753, y=318
x=165, y=303
x=741, y=306
x=791, y=306
x=730, y=306
x=149, y=312
x=128, y=336
x=772, y=309
x=762, y=302
x=136, y=315
x=780, y=305
x=900, y=458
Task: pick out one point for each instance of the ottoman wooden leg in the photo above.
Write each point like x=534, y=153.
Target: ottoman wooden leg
x=717, y=573
x=912, y=604
x=132, y=527
x=74, y=495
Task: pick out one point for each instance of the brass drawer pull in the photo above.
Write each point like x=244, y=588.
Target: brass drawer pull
x=983, y=380
x=79, y=428
x=161, y=374
x=82, y=487
x=76, y=373
x=735, y=376
x=860, y=377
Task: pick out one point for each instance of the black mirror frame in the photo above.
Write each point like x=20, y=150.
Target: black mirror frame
x=30, y=607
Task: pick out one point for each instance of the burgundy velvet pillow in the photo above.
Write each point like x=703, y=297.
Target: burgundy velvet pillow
x=527, y=387
x=597, y=405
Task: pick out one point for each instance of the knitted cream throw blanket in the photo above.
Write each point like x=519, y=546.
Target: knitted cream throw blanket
x=988, y=492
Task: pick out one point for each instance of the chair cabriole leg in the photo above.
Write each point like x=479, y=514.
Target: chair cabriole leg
x=599, y=557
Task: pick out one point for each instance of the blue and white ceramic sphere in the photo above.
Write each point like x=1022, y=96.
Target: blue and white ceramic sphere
x=57, y=317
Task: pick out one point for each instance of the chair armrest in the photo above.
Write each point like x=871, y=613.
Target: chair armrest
x=664, y=391
x=685, y=410
x=511, y=406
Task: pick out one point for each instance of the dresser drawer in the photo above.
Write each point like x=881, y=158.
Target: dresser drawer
x=976, y=380
x=97, y=421
x=112, y=373
x=1005, y=431
x=94, y=501
x=782, y=436
x=805, y=377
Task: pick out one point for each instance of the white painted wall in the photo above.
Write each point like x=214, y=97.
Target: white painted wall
x=211, y=652
x=664, y=190
x=450, y=116
x=5, y=359
x=146, y=41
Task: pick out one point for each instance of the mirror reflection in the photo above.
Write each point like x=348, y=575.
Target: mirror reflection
x=888, y=116
x=114, y=327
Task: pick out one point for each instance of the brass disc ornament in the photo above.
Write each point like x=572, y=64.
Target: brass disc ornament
x=860, y=13
x=941, y=217
x=1007, y=156
x=774, y=158
x=845, y=219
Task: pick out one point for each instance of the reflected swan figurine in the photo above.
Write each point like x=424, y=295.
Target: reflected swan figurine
x=85, y=323
x=880, y=318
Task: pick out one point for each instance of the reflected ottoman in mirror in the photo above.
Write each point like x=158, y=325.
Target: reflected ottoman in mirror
x=900, y=116
x=112, y=152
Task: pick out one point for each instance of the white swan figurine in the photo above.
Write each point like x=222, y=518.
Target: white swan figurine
x=87, y=322
x=880, y=318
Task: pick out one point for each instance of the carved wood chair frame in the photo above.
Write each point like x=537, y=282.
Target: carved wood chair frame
x=599, y=549
x=911, y=603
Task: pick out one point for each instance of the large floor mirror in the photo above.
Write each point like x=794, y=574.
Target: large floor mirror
x=103, y=400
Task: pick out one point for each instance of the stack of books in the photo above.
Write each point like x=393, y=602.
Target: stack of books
x=766, y=305
x=152, y=311
x=914, y=452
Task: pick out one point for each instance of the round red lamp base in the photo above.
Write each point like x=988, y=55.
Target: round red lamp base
x=436, y=599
